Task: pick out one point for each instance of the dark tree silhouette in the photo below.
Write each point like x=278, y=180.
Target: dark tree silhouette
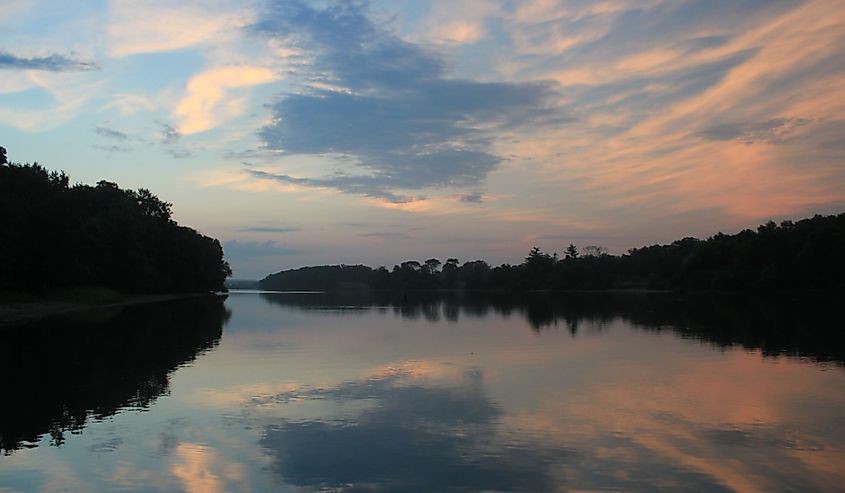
x=431, y=266
x=802, y=255
x=594, y=251
x=56, y=235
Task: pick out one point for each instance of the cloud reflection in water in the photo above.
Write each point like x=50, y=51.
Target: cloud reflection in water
x=415, y=438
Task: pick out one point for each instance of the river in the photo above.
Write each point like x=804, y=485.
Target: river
x=420, y=392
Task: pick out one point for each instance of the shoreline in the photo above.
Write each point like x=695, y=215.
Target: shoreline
x=14, y=313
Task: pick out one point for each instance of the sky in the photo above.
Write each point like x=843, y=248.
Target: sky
x=313, y=132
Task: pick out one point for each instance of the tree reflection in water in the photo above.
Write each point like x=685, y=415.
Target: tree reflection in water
x=808, y=326
x=59, y=374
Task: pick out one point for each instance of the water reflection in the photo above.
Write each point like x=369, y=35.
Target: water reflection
x=417, y=392
x=809, y=326
x=410, y=437
x=635, y=416
x=59, y=374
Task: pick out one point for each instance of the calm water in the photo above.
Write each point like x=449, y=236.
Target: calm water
x=311, y=392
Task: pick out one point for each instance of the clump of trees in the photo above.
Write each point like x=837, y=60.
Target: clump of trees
x=320, y=278
x=54, y=234
x=807, y=255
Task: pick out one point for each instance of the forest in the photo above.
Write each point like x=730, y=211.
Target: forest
x=54, y=234
x=792, y=255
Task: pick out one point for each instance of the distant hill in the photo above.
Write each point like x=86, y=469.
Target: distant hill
x=804, y=255
x=53, y=235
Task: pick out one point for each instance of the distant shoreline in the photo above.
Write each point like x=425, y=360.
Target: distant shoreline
x=25, y=311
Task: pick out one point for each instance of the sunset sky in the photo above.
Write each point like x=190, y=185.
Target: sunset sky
x=302, y=133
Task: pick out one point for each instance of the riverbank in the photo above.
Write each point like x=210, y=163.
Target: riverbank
x=17, y=309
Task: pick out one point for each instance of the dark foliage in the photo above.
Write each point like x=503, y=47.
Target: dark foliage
x=320, y=278
x=408, y=275
x=53, y=235
x=803, y=255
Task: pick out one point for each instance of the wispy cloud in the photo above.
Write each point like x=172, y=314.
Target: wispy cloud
x=458, y=32
x=169, y=134
x=68, y=93
x=52, y=63
x=245, y=249
x=775, y=130
x=151, y=26
x=473, y=198
x=112, y=148
x=169, y=138
x=206, y=103
x=386, y=235
x=269, y=229
x=389, y=105
x=572, y=237
x=707, y=107
x=110, y=133
x=179, y=153
x=129, y=104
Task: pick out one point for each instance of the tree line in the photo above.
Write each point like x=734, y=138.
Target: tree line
x=806, y=255
x=54, y=234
